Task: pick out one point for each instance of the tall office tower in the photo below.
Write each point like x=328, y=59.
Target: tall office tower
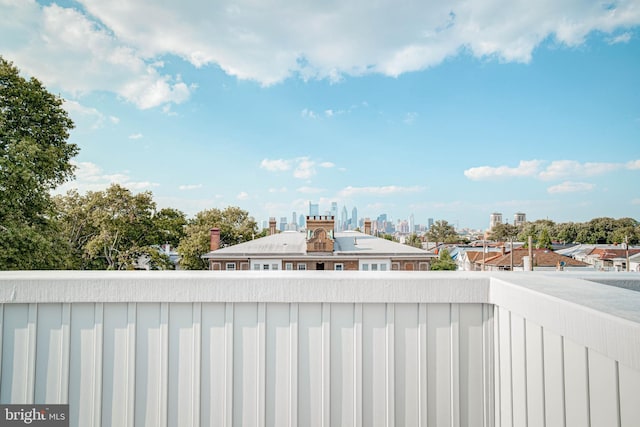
x=294, y=218
x=314, y=209
x=519, y=219
x=334, y=210
x=354, y=218
x=412, y=224
x=283, y=223
x=429, y=223
x=344, y=219
x=495, y=218
x=301, y=223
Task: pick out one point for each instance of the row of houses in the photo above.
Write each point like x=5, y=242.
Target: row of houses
x=319, y=247
x=498, y=256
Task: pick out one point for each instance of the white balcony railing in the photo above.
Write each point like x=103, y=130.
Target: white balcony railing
x=324, y=348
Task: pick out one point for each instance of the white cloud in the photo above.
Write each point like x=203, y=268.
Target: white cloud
x=135, y=136
x=410, y=118
x=387, y=190
x=570, y=187
x=242, y=195
x=305, y=168
x=278, y=190
x=310, y=190
x=524, y=168
x=271, y=41
x=308, y=114
x=70, y=50
x=557, y=169
x=90, y=177
x=570, y=168
x=188, y=187
x=634, y=164
x=621, y=38
x=79, y=112
x=276, y=165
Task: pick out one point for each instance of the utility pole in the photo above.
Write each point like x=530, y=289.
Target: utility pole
x=530, y=244
x=511, y=253
x=626, y=241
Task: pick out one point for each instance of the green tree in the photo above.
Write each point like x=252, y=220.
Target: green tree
x=111, y=229
x=35, y=158
x=544, y=239
x=169, y=225
x=442, y=232
x=444, y=262
x=235, y=224
x=414, y=240
x=504, y=232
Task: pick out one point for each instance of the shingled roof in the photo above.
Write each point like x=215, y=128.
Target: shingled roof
x=542, y=258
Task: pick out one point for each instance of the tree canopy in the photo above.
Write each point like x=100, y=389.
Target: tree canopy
x=113, y=229
x=442, y=232
x=444, y=261
x=35, y=157
x=503, y=232
x=235, y=224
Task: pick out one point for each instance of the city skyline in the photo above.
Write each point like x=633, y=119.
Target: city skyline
x=444, y=111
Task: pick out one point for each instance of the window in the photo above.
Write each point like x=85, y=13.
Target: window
x=274, y=266
x=256, y=266
x=302, y=266
x=265, y=266
x=374, y=267
x=365, y=267
x=338, y=267
x=230, y=266
x=288, y=266
x=383, y=267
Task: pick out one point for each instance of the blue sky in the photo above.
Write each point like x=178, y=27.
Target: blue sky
x=446, y=111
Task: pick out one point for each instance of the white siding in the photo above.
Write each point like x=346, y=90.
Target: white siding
x=353, y=349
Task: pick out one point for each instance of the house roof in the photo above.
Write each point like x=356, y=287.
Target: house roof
x=543, y=258
x=293, y=243
x=611, y=253
x=586, y=249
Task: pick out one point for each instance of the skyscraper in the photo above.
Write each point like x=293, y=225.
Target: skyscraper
x=314, y=209
x=334, y=210
x=354, y=218
x=344, y=219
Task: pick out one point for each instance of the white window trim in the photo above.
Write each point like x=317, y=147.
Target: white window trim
x=230, y=264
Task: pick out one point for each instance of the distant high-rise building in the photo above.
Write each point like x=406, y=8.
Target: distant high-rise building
x=412, y=224
x=344, y=219
x=495, y=218
x=314, y=209
x=301, y=222
x=283, y=223
x=354, y=217
x=334, y=210
x=429, y=223
x=519, y=219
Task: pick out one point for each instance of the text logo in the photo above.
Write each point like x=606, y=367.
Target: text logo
x=34, y=415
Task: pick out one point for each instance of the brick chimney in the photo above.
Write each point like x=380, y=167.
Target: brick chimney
x=215, y=239
x=272, y=226
x=367, y=226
